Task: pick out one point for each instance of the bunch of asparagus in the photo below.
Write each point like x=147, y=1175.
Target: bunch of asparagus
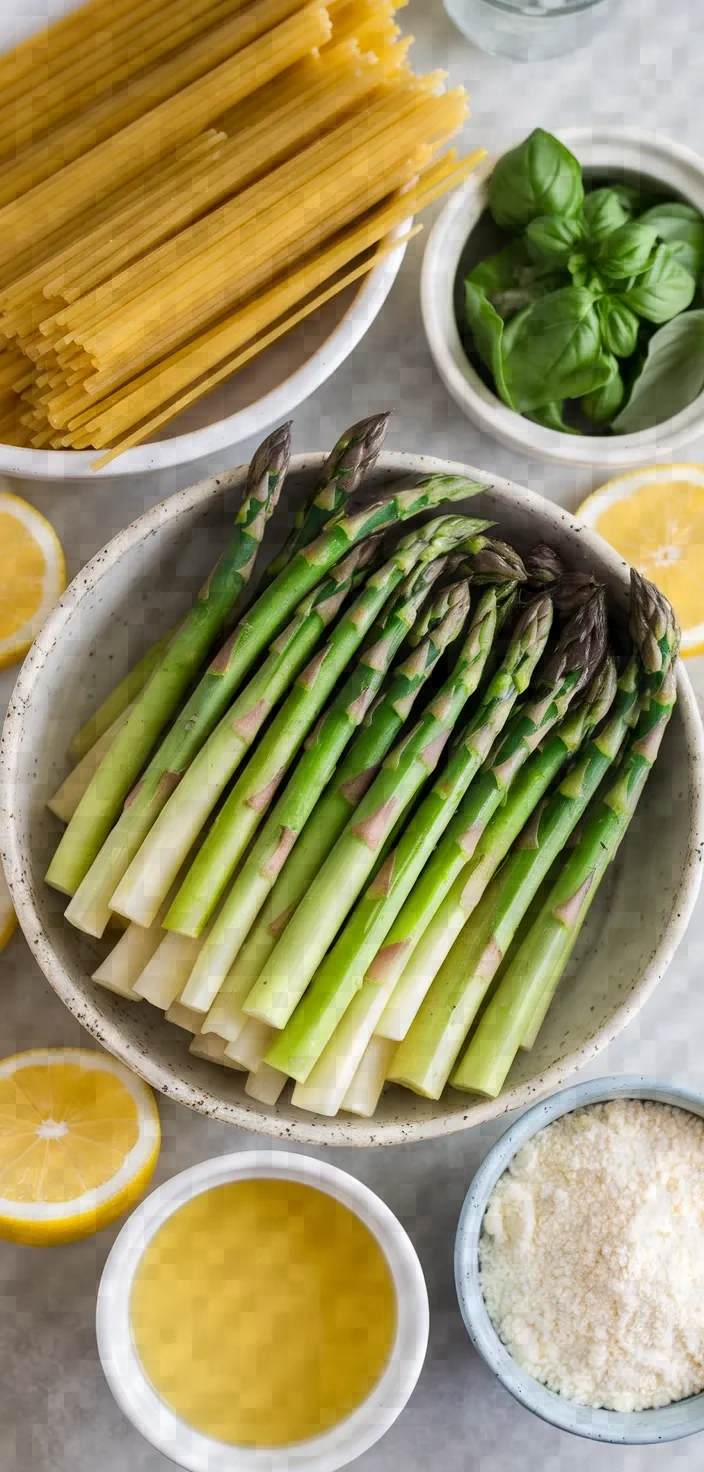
x=372, y=831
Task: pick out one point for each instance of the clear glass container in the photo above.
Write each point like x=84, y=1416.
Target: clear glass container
x=530, y=30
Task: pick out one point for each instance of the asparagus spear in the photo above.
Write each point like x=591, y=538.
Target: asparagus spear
x=215, y=691
x=342, y=972
x=88, y=908
x=411, y=978
x=428, y=1053
x=345, y=468
x=541, y=959
x=319, y=915
x=580, y=650
x=332, y=813
x=170, y=839
x=65, y=800
x=120, y=699
x=314, y=771
x=101, y=803
x=241, y=814
x=543, y=566
x=324, y=1089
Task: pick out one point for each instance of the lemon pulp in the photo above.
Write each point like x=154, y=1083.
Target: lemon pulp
x=263, y=1312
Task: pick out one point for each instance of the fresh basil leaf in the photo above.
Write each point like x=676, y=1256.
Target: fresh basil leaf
x=551, y=417
x=552, y=350
x=585, y=274
x=682, y=227
x=619, y=326
x=674, y=209
x=627, y=251
x=603, y=213
x=555, y=235
x=511, y=281
x=672, y=375
x=539, y=177
x=663, y=290
x=486, y=327
x=601, y=405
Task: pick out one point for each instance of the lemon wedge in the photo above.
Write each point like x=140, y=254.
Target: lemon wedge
x=655, y=519
x=32, y=574
x=79, y=1139
x=8, y=919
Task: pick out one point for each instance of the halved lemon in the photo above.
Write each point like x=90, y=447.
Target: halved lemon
x=655, y=518
x=8, y=918
x=79, y=1139
x=32, y=574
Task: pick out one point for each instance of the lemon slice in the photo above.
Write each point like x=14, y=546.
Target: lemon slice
x=32, y=575
x=655, y=519
x=8, y=918
x=79, y=1139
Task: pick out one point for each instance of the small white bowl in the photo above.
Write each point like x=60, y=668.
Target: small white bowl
x=631, y=1428
x=632, y=153
x=262, y=394
x=199, y=1453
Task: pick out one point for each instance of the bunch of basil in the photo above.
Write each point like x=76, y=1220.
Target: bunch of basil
x=565, y=313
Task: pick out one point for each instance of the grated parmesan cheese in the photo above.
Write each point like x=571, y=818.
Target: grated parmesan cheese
x=592, y=1255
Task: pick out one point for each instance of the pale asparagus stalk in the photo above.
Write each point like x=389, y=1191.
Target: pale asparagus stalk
x=183, y=1017
x=266, y=1085
x=67, y=797
x=213, y=1049
x=251, y=1045
x=365, y=1090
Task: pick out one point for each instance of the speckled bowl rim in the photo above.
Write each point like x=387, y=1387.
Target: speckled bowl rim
x=206, y=1100
x=633, y=1428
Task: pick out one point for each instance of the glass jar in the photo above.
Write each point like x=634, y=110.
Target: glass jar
x=530, y=30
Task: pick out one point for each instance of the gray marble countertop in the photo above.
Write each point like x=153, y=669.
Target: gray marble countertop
x=56, y=1413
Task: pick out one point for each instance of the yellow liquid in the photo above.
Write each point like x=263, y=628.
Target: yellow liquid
x=263, y=1312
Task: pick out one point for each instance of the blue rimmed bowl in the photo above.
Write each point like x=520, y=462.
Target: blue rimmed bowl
x=626, y=1428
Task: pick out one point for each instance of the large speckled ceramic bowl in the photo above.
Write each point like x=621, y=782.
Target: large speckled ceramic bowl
x=134, y=590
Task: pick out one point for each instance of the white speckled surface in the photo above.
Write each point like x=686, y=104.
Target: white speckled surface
x=56, y=1414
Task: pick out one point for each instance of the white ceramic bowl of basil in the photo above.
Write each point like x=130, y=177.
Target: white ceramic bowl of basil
x=608, y=155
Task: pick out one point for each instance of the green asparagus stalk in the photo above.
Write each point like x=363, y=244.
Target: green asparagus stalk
x=242, y=812
x=253, y=705
x=215, y=691
x=100, y=806
x=120, y=699
x=343, y=472
x=428, y=1053
x=315, y=769
x=580, y=650
x=339, y=881
x=346, y=466
x=324, y=1089
x=441, y=625
x=543, y=955
x=342, y=972
x=411, y=979
x=145, y=884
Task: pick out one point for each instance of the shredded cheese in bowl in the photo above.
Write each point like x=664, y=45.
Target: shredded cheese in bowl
x=592, y=1255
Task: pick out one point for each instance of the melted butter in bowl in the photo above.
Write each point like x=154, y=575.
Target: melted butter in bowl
x=263, y=1312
